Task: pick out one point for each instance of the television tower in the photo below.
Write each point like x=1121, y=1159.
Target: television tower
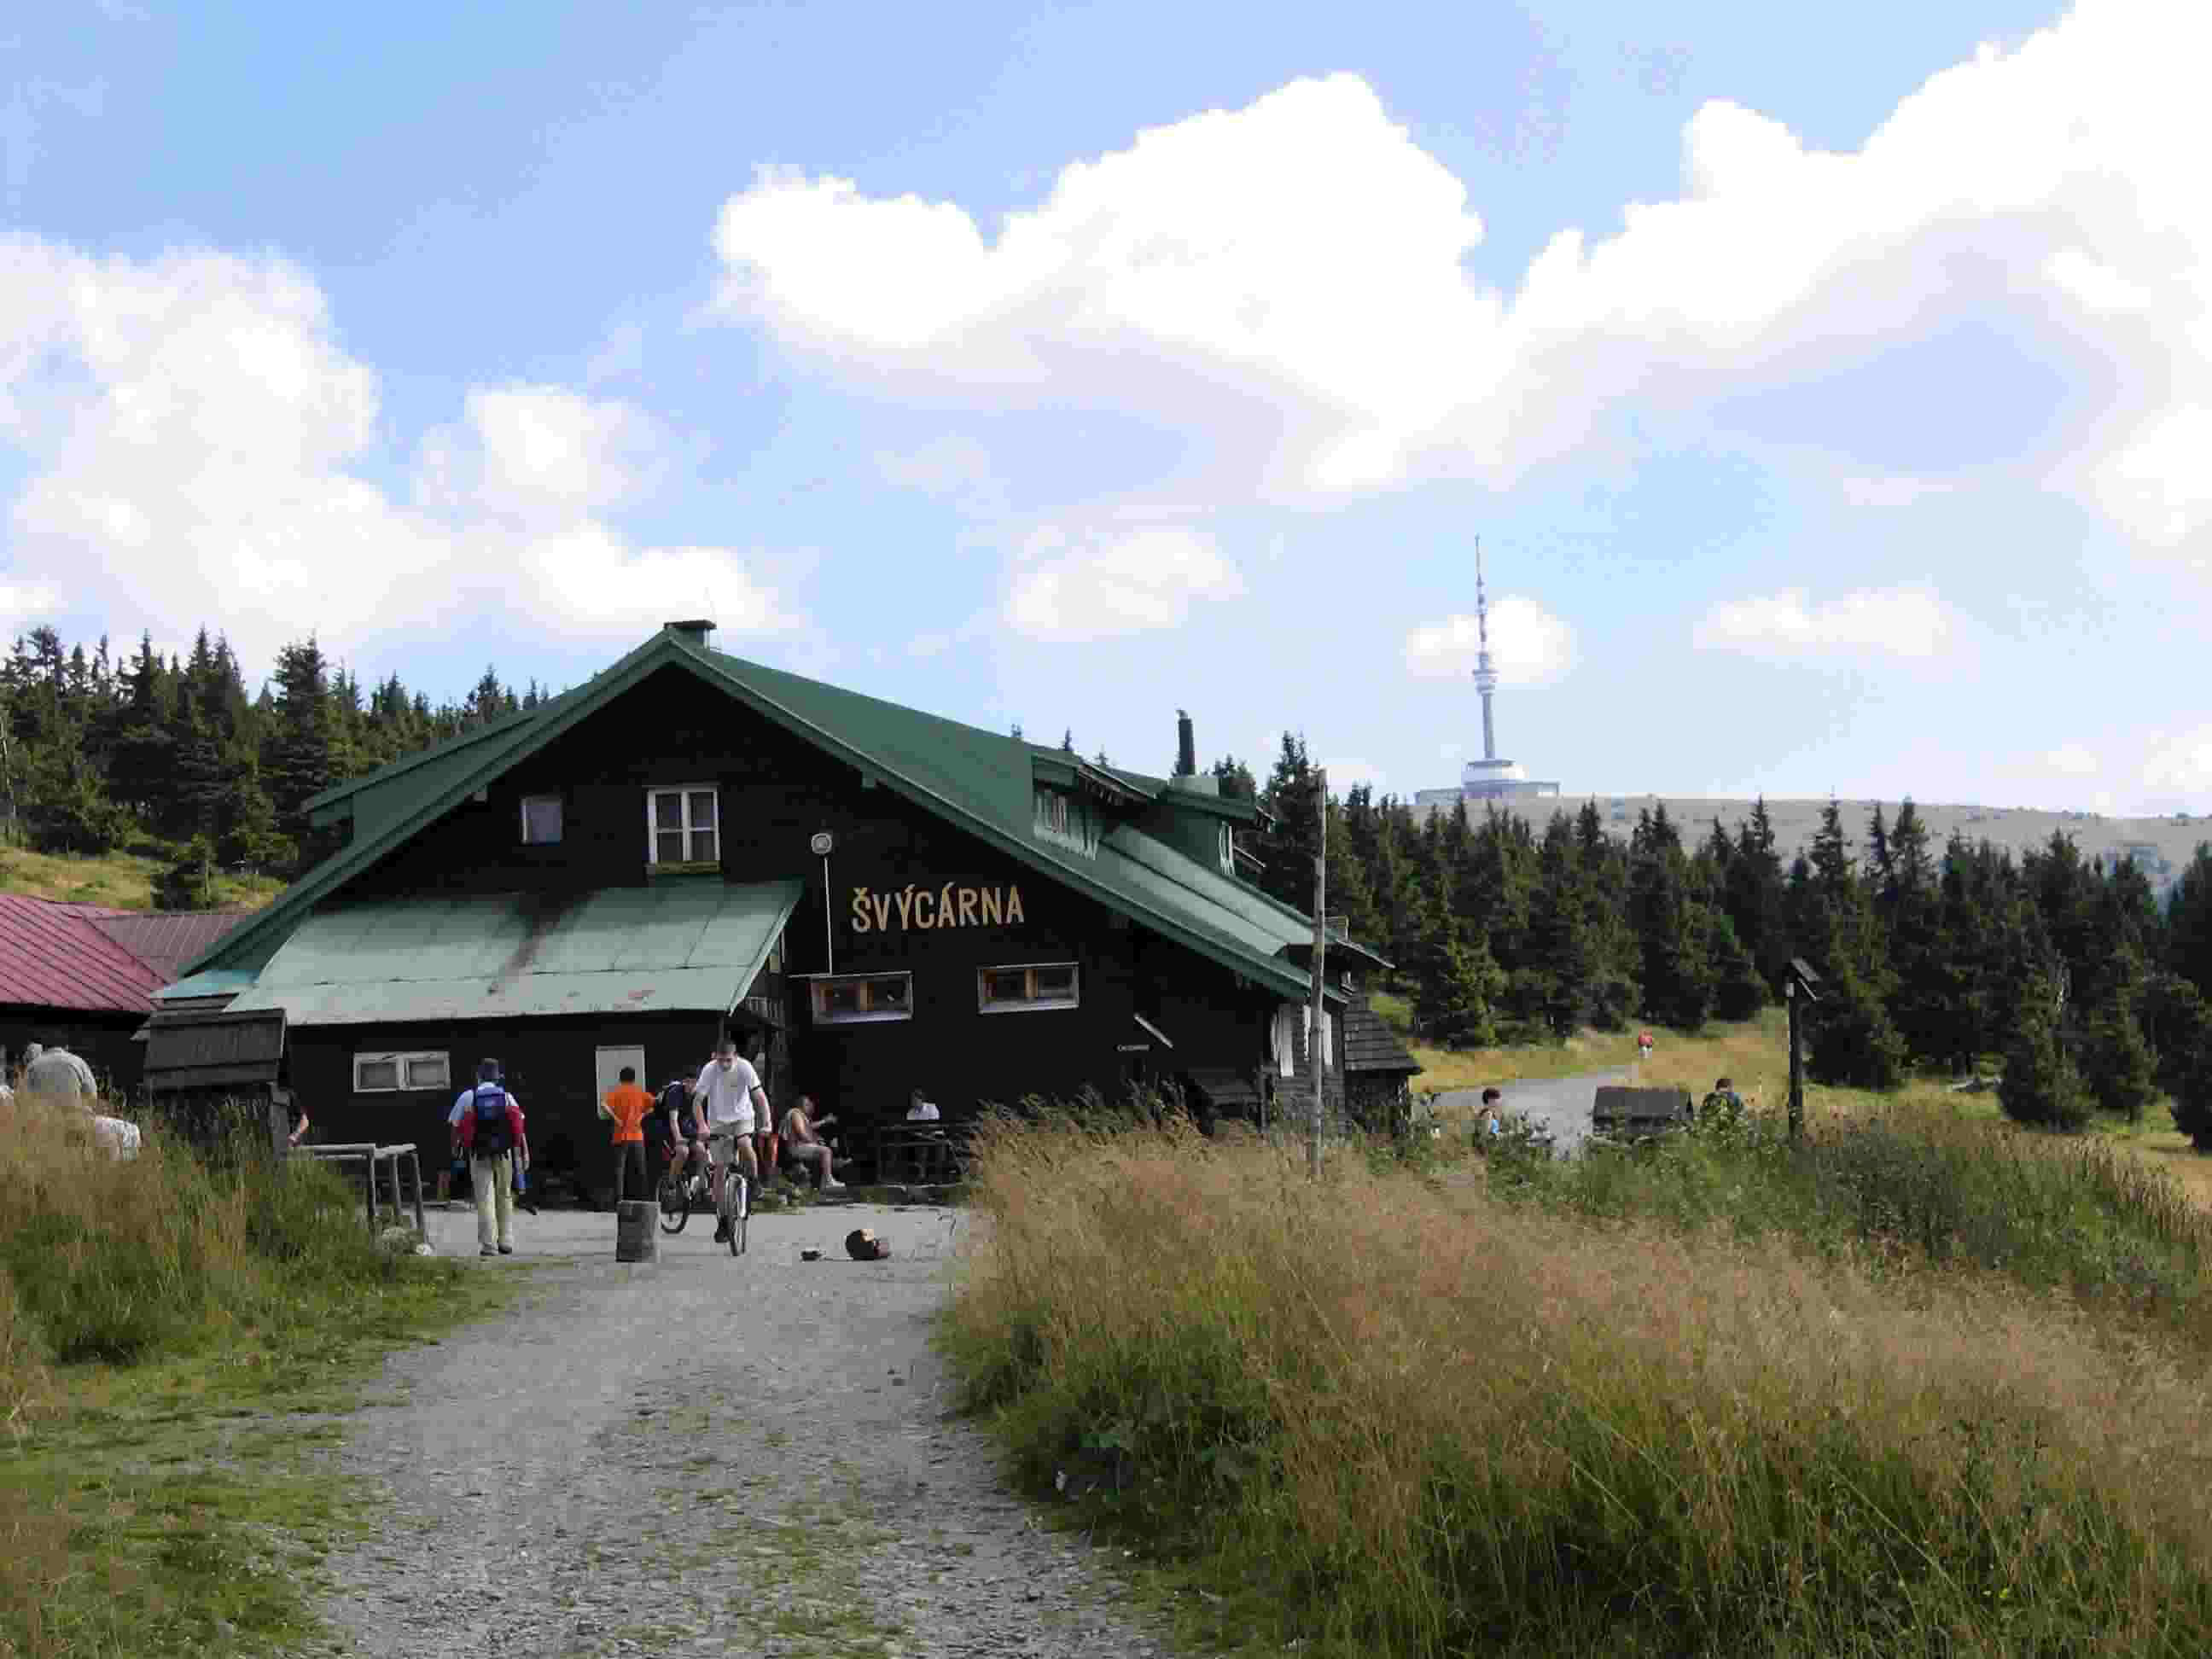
x=1485, y=676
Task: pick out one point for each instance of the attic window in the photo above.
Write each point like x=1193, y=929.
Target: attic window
x=541, y=820
x=683, y=826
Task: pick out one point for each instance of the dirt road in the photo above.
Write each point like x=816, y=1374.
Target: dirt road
x=1562, y=1104
x=703, y=1456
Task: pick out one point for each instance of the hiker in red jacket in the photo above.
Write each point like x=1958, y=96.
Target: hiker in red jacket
x=488, y=1127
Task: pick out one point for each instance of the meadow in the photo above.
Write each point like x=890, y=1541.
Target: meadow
x=121, y=881
x=176, y=1332
x=1919, y=1384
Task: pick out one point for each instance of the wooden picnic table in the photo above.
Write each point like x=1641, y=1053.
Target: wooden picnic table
x=372, y=1158
x=912, y=1153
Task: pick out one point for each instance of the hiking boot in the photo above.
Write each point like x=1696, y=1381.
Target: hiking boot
x=506, y=1249
x=722, y=1232
x=486, y=1250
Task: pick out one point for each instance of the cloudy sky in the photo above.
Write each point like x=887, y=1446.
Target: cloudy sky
x=1831, y=390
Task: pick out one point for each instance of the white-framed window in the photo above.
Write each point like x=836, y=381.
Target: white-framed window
x=1286, y=1059
x=683, y=825
x=396, y=1070
x=1228, y=851
x=1021, y=986
x=541, y=820
x=860, y=998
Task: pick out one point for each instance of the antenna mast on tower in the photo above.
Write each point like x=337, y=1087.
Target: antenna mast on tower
x=1486, y=676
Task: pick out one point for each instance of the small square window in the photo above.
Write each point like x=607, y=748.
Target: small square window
x=541, y=820
x=389, y=1073
x=1035, y=985
x=857, y=999
x=429, y=1072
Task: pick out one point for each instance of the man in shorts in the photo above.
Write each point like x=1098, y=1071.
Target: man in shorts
x=729, y=1092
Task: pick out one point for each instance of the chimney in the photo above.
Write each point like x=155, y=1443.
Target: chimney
x=693, y=631
x=1186, y=747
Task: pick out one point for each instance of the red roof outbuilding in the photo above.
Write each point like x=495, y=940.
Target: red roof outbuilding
x=93, y=959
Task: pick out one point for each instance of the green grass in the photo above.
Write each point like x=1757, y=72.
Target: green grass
x=175, y=1333
x=121, y=881
x=1927, y=1387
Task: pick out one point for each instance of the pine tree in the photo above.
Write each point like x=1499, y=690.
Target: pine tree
x=2179, y=1024
x=2189, y=922
x=1457, y=982
x=2117, y=1058
x=2041, y=1085
x=1853, y=1041
x=299, y=761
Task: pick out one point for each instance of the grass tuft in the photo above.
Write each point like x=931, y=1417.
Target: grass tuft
x=156, y=1313
x=1390, y=1414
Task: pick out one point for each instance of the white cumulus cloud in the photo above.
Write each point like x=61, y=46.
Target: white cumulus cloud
x=1529, y=645
x=1289, y=280
x=2073, y=760
x=199, y=447
x=2182, y=764
x=1122, y=580
x=1789, y=626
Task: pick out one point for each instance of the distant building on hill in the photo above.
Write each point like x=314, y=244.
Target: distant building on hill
x=1488, y=778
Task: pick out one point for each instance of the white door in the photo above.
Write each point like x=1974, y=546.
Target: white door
x=610, y=1062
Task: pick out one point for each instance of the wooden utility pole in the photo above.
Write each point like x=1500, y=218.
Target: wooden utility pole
x=1320, y=946
x=1797, y=1061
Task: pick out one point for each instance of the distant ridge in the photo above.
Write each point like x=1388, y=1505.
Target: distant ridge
x=2160, y=846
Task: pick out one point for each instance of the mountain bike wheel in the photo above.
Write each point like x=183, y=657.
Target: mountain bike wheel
x=740, y=1209
x=675, y=1196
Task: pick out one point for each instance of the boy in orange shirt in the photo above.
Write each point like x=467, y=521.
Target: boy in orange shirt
x=626, y=1106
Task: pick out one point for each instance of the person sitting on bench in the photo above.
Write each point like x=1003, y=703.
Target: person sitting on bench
x=803, y=1144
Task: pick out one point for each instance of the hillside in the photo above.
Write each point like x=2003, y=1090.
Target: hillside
x=2160, y=846
x=122, y=881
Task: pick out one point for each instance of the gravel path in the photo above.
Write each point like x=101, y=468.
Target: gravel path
x=703, y=1456
x=1562, y=1104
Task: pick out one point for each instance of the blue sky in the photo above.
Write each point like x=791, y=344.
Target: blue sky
x=1830, y=396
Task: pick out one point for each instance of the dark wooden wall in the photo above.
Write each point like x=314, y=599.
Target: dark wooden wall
x=549, y=1064
x=775, y=792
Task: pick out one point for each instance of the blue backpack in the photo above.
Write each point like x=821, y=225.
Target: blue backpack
x=489, y=1102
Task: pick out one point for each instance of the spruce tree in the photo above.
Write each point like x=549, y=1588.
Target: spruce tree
x=2041, y=1084
x=1457, y=981
x=299, y=764
x=2117, y=1059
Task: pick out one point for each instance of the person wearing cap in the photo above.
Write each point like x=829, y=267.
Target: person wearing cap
x=504, y=1146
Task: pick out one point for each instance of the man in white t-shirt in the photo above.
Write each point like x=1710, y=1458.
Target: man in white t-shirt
x=729, y=1092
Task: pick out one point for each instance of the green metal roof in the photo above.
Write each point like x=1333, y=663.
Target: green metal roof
x=216, y=981
x=979, y=781
x=687, y=945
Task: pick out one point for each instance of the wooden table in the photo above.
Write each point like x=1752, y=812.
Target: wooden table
x=915, y=1154
x=372, y=1158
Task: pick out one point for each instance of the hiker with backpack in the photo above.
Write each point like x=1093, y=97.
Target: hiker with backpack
x=487, y=1124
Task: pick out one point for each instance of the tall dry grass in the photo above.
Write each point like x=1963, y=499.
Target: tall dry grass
x=256, y=1274
x=1392, y=1417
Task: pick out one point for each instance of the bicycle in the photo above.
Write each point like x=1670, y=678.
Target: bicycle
x=678, y=1194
